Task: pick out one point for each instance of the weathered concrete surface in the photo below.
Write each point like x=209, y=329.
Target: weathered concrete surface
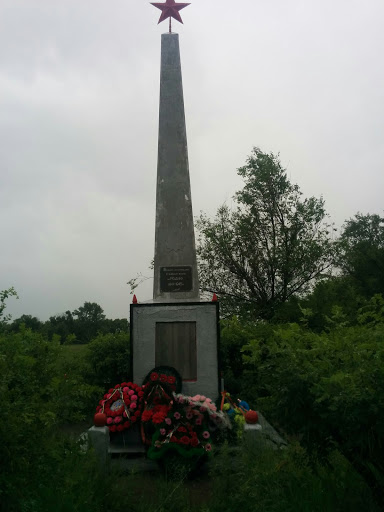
x=143, y=334
x=99, y=439
x=263, y=434
x=174, y=233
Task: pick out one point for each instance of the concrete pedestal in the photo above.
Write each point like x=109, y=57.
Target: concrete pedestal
x=204, y=315
x=99, y=440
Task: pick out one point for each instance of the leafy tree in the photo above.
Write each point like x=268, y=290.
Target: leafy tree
x=271, y=247
x=4, y=295
x=29, y=321
x=61, y=325
x=89, y=320
x=361, y=253
x=89, y=312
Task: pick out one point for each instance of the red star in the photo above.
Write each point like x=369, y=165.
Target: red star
x=170, y=9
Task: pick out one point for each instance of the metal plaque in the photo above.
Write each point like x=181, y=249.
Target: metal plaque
x=175, y=279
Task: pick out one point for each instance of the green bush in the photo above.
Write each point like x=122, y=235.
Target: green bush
x=109, y=359
x=28, y=414
x=325, y=389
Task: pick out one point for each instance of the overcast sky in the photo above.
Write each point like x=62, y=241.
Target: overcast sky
x=79, y=90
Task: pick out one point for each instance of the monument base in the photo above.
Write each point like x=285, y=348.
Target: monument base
x=184, y=335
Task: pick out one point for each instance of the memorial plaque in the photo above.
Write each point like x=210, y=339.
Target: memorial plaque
x=175, y=279
x=176, y=346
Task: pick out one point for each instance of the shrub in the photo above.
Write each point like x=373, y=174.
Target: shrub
x=109, y=359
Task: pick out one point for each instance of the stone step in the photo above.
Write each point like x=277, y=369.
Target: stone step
x=128, y=449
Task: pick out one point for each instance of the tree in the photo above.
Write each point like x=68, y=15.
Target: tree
x=29, y=321
x=272, y=246
x=361, y=253
x=89, y=320
x=4, y=295
x=62, y=325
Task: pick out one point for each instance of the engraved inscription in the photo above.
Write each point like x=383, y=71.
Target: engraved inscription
x=175, y=279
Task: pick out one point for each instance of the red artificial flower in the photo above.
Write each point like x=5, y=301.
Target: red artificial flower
x=147, y=415
x=184, y=440
x=141, y=394
x=158, y=417
x=181, y=429
x=137, y=413
x=163, y=378
x=133, y=419
x=174, y=439
x=194, y=442
x=154, y=376
x=127, y=424
x=171, y=379
x=120, y=428
x=113, y=428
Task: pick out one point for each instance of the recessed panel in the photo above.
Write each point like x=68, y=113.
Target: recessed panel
x=176, y=346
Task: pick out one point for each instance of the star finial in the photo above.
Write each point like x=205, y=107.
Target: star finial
x=170, y=9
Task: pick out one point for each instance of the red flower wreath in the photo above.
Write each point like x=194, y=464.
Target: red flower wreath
x=164, y=379
x=122, y=406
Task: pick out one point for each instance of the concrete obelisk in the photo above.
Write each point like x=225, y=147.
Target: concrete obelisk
x=175, y=329
x=175, y=268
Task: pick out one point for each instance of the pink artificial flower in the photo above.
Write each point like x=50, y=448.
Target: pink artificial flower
x=177, y=415
x=162, y=431
x=133, y=405
x=168, y=421
x=196, y=398
x=189, y=415
x=203, y=409
x=206, y=434
x=109, y=421
x=118, y=419
x=131, y=392
x=212, y=407
x=125, y=390
x=203, y=398
x=134, y=397
x=208, y=447
x=199, y=421
x=214, y=416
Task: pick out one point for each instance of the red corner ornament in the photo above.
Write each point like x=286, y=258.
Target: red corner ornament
x=170, y=9
x=214, y=298
x=134, y=300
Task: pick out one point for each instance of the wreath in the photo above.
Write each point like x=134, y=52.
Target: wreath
x=188, y=428
x=122, y=405
x=165, y=375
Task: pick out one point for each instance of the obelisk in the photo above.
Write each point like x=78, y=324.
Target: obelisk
x=175, y=267
x=175, y=329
